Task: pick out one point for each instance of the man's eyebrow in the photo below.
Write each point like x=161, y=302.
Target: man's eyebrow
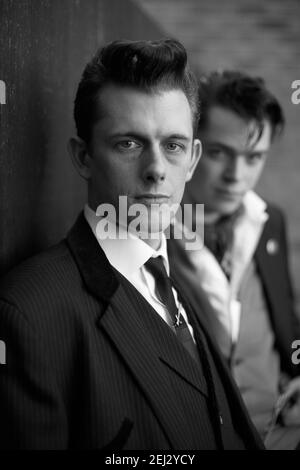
x=178, y=137
x=135, y=135
x=219, y=144
x=232, y=149
x=261, y=151
x=125, y=134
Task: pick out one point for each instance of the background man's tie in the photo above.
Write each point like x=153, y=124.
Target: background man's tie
x=164, y=289
x=219, y=239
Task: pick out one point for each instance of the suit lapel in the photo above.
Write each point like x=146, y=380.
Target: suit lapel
x=92, y=263
x=271, y=259
x=124, y=326
x=167, y=347
x=268, y=259
x=122, y=321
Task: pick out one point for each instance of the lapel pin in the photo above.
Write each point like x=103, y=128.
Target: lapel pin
x=272, y=246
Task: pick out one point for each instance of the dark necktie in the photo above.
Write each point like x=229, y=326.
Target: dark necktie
x=218, y=238
x=163, y=286
x=164, y=289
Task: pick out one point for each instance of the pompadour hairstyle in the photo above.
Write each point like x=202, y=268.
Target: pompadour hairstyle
x=245, y=95
x=151, y=66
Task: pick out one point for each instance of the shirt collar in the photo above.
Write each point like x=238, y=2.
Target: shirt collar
x=127, y=253
x=255, y=207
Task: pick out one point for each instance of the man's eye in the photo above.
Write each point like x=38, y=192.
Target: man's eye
x=174, y=147
x=216, y=153
x=254, y=158
x=127, y=145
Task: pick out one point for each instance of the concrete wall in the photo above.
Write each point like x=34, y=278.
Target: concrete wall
x=44, y=45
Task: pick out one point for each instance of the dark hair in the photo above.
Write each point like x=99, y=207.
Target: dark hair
x=152, y=66
x=245, y=95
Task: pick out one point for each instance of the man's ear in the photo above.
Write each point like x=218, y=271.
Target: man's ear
x=196, y=155
x=80, y=156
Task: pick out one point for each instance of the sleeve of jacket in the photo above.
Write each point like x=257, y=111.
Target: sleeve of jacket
x=285, y=244
x=294, y=319
x=32, y=412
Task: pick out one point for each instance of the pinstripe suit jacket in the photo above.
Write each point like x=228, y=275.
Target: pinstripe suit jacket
x=89, y=365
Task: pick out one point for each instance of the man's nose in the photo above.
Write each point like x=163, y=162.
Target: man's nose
x=235, y=169
x=154, y=165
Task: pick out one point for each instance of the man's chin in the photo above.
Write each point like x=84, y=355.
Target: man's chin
x=227, y=208
x=148, y=229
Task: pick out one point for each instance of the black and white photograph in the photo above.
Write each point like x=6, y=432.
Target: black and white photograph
x=149, y=227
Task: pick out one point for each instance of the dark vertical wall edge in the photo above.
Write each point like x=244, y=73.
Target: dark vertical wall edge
x=44, y=46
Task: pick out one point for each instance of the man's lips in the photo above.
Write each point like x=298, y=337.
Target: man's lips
x=227, y=193
x=152, y=198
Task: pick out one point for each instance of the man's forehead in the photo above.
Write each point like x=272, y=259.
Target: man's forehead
x=131, y=109
x=226, y=127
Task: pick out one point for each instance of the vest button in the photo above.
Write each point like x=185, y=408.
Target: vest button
x=221, y=419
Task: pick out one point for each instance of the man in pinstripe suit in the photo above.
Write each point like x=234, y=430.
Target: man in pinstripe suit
x=93, y=360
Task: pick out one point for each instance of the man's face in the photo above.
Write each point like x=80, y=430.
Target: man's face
x=232, y=162
x=142, y=147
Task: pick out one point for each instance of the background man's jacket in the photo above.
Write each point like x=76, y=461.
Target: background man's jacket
x=271, y=257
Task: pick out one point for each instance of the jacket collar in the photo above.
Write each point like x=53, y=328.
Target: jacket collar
x=104, y=283
x=89, y=256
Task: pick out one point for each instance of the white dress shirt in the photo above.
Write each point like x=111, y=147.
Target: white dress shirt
x=128, y=254
x=222, y=293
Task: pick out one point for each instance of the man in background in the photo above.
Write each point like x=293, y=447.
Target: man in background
x=243, y=267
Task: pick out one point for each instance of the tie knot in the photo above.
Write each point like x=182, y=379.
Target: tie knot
x=156, y=267
x=163, y=286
